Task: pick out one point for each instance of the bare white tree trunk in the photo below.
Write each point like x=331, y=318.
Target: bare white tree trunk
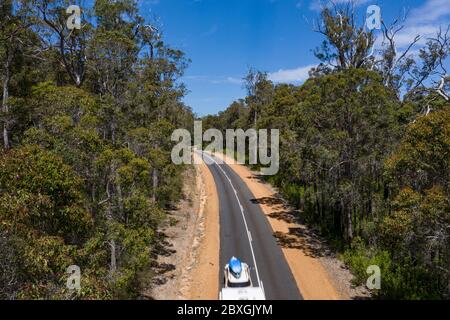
x=111, y=242
x=113, y=266
x=440, y=89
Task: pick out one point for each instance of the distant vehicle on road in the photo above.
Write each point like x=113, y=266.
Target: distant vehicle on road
x=238, y=283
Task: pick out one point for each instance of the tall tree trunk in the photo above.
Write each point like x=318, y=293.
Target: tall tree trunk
x=155, y=180
x=111, y=242
x=113, y=266
x=112, y=245
x=349, y=224
x=154, y=183
x=113, y=133
x=120, y=199
x=5, y=108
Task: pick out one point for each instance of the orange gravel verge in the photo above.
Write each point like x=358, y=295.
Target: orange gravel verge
x=206, y=286
x=311, y=277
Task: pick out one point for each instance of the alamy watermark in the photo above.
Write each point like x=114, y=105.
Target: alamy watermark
x=74, y=20
x=374, y=281
x=237, y=140
x=74, y=279
x=373, y=17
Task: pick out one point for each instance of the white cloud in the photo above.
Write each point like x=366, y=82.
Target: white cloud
x=230, y=80
x=234, y=80
x=431, y=11
x=291, y=75
x=215, y=79
x=405, y=37
x=281, y=76
x=424, y=21
x=198, y=78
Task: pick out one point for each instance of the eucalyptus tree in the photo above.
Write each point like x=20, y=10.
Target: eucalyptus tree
x=16, y=41
x=69, y=43
x=259, y=91
x=347, y=44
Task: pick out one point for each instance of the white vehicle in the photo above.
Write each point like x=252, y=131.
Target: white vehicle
x=238, y=283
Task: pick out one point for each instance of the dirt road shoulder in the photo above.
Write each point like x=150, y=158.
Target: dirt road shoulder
x=187, y=262
x=206, y=286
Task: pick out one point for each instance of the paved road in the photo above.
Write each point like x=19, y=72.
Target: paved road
x=246, y=234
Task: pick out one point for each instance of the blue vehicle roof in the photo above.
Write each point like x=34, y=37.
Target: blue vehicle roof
x=235, y=265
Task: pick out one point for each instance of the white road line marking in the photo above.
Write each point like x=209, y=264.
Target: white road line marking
x=243, y=216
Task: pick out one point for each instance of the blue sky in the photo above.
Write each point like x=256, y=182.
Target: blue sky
x=225, y=37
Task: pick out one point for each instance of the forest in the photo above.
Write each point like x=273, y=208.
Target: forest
x=365, y=150
x=86, y=176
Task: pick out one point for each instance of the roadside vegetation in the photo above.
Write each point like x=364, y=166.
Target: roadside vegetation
x=85, y=169
x=365, y=150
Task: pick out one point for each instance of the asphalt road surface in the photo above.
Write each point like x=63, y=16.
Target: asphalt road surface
x=246, y=234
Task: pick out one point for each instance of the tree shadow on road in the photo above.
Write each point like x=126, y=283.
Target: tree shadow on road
x=299, y=238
